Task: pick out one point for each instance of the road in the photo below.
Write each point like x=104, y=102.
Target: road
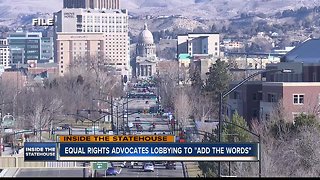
x=145, y=120
x=39, y=172
x=159, y=171
x=137, y=171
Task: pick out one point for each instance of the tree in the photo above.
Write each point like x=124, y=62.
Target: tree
x=232, y=133
x=218, y=79
x=182, y=107
x=167, y=81
x=195, y=78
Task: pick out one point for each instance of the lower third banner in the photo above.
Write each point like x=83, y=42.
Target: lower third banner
x=158, y=152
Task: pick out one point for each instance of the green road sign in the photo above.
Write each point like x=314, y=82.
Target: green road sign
x=100, y=165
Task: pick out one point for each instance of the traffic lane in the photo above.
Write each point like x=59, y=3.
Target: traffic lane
x=159, y=171
x=39, y=172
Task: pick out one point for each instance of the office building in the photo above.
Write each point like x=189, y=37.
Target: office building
x=92, y=4
x=199, y=43
x=26, y=43
x=46, y=49
x=71, y=46
x=26, y=46
x=112, y=22
x=4, y=54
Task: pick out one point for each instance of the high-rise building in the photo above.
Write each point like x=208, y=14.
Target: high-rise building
x=92, y=4
x=199, y=44
x=199, y=51
x=4, y=53
x=27, y=43
x=47, y=49
x=112, y=22
x=76, y=45
x=26, y=46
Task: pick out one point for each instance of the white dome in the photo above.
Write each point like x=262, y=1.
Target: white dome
x=146, y=36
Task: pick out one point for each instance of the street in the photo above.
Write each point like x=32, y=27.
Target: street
x=143, y=123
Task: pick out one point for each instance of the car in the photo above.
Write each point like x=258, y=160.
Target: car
x=170, y=165
x=111, y=171
x=148, y=167
x=137, y=119
x=65, y=126
x=127, y=164
x=158, y=163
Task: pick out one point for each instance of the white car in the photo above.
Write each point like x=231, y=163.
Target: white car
x=148, y=167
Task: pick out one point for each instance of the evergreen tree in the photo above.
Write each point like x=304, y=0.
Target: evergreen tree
x=196, y=81
x=218, y=79
x=232, y=133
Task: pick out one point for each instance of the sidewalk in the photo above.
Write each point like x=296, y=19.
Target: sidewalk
x=10, y=172
x=192, y=168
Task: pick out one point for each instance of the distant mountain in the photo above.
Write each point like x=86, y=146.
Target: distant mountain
x=206, y=9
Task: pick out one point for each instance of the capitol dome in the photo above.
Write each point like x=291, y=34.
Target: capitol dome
x=146, y=36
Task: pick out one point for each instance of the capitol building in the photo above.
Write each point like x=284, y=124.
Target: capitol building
x=144, y=65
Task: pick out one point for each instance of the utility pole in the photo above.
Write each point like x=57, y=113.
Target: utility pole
x=128, y=113
x=2, y=134
x=112, y=123
x=117, y=119
x=123, y=127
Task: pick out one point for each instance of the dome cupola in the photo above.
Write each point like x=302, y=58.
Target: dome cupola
x=146, y=36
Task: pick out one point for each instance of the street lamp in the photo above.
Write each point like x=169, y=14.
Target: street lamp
x=93, y=121
x=117, y=112
x=223, y=95
x=2, y=127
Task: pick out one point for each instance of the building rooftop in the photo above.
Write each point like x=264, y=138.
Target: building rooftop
x=306, y=52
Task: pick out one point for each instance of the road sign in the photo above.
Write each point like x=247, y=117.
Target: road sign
x=100, y=165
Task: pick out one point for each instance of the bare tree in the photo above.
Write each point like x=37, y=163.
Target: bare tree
x=182, y=108
x=167, y=82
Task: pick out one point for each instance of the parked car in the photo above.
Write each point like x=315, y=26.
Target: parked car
x=148, y=167
x=170, y=165
x=111, y=171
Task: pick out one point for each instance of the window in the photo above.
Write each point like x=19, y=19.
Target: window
x=271, y=98
x=294, y=115
x=298, y=98
x=255, y=113
x=254, y=96
x=236, y=95
x=267, y=117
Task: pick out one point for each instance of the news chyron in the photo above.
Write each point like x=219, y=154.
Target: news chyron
x=136, y=148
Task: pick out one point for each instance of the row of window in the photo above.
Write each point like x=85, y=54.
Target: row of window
x=297, y=98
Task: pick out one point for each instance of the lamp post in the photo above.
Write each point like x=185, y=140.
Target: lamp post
x=117, y=112
x=94, y=121
x=223, y=95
